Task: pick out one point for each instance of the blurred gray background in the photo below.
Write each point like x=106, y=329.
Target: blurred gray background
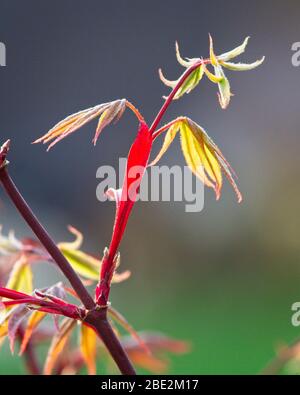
x=224, y=278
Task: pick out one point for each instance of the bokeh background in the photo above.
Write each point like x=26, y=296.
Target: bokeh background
x=224, y=278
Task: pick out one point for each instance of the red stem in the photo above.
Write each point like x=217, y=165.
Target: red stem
x=173, y=93
x=103, y=287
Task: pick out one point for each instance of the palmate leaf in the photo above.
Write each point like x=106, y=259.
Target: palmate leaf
x=88, y=344
x=202, y=155
x=218, y=77
x=107, y=113
x=222, y=60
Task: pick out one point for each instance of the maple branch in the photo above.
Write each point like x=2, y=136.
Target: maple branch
x=45, y=238
x=95, y=318
x=98, y=320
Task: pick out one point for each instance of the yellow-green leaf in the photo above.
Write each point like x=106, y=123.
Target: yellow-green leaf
x=88, y=343
x=20, y=278
x=242, y=66
x=234, y=52
x=191, y=82
x=84, y=264
x=202, y=155
x=224, y=87
x=169, y=137
x=212, y=55
x=212, y=77
x=191, y=154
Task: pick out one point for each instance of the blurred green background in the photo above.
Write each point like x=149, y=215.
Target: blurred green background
x=223, y=279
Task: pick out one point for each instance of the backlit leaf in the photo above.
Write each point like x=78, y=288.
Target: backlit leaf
x=224, y=87
x=84, y=264
x=125, y=325
x=183, y=62
x=20, y=278
x=212, y=77
x=18, y=315
x=202, y=155
x=242, y=66
x=114, y=111
x=58, y=344
x=109, y=111
x=169, y=138
x=88, y=343
x=234, y=52
x=149, y=362
x=223, y=83
x=33, y=321
x=190, y=83
x=212, y=55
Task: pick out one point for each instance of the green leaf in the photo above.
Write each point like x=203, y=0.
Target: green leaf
x=234, y=52
x=224, y=87
x=242, y=66
x=191, y=82
x=84, y=264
